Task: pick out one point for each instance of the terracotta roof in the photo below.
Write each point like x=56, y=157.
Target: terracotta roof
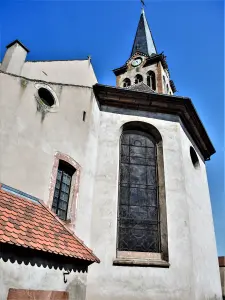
x=221, y=261
x=28, y=223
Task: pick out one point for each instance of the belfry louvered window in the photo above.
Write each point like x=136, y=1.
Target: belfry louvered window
x=138, y=215
x=151, y=80
x=138, y=79
x=126, y=82
x=62, y=189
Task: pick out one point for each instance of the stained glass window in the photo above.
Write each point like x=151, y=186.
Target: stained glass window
x=138, y=216
x=62, y=189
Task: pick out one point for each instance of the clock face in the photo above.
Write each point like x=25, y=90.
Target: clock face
x=136, y=62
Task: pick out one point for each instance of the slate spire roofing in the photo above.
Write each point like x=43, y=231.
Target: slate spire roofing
x=143, y=41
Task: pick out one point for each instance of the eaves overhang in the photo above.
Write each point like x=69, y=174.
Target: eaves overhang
x=152, y=59
x=14, y=253
x=159, y=103
x=156, y=58
x=123, y=69
x=120, y=70
x=173, y=87
x=31, y=233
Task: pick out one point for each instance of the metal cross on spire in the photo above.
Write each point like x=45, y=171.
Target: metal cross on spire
x=143, y=3
x=143, y=41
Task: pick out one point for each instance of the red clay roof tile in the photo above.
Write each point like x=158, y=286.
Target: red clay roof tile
x=29, y=223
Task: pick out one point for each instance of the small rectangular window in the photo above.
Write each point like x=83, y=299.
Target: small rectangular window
x=84, y=115
x=62, y=189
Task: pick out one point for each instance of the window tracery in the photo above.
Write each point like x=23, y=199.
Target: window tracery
x=138, y=207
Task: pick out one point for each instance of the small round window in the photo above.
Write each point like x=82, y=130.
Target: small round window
x=46, y=96
x=194, y=158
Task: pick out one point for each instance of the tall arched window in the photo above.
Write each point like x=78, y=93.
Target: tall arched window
x=151, y=80
x=126, y=82
x=142, y=225
x=138, y=79
x=167, y=89
x=164, y=84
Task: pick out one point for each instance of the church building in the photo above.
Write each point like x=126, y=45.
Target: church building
x=103, y=189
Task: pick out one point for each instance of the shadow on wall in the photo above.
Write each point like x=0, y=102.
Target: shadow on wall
x=77, y=287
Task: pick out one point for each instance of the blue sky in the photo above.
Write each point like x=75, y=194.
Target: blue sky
x=191, y=34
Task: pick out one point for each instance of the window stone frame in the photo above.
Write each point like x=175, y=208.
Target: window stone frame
x=40, y=104
x=74, y=189
x=133, y=258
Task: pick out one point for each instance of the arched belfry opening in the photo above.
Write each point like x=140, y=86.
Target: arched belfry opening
x=126, y=82
x=151, y=82
x=138, y=79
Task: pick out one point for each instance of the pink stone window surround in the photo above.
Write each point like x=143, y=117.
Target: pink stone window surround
x=74, y=190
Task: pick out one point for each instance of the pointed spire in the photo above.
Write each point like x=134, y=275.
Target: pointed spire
x=143, y=41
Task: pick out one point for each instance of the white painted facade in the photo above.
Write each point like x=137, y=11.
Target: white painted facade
x=78, y=72
x=189, y=275
x=28, y=144
x=14, y=59
x=27, y=150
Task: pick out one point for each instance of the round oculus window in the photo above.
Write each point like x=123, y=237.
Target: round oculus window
x=194, y=158
x=46, y=96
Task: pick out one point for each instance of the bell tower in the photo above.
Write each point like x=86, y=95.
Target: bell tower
x=146, y=69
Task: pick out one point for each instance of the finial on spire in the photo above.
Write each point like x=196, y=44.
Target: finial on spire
x=143, y=4
x=142, y=7
x=143, y=41
x=89, y=58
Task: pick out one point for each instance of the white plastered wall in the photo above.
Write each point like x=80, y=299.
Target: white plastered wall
x=27, y=149
x=78, y=72
x=109, y=282
x=14, y=59
x=204, y=252
x=119, y=282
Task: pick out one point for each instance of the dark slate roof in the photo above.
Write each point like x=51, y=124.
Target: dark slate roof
x=155, y=58
x=143, y=39
x=140, y=87
x=160, y=103
x=17, y=42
